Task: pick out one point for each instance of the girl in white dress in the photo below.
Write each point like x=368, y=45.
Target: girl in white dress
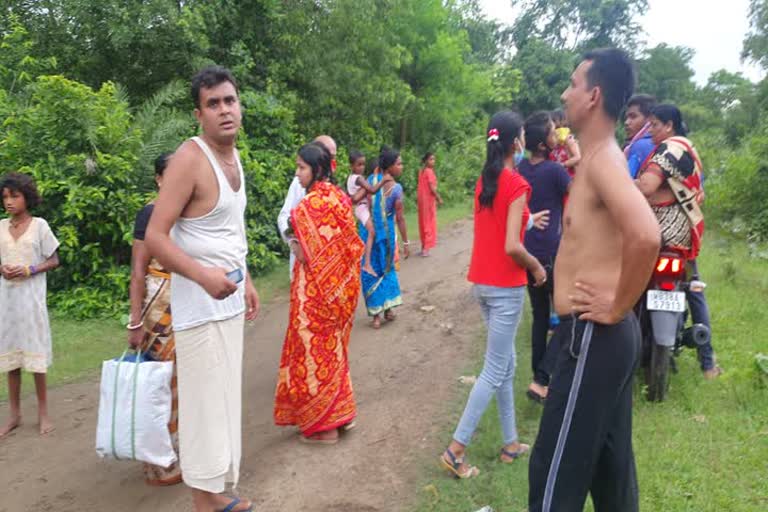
x=359, y=189
x=27, y=251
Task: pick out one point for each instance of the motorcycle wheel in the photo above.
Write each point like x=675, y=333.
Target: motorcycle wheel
x=658, y=373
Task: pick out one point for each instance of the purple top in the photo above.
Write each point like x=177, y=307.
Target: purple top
x=549, y=185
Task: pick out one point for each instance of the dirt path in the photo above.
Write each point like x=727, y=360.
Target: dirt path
x=402, y=374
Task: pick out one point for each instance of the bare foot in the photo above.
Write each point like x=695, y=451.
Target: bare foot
x=13, y=424
x=369, y=269
x=376, y=324
x=390, y=315
x=424, y=254
x=46, y=426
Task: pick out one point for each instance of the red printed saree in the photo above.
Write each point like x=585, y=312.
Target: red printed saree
x=314, y=390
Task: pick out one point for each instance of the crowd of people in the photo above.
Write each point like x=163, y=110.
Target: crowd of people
x=560, y=212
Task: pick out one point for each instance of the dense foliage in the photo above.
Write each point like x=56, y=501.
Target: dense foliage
x=90, y=94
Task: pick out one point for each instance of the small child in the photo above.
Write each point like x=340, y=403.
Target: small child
x=28, y=249
x=567, y=150
x=358, y=189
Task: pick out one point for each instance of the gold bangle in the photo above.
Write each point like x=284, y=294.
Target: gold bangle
x=135, y=326
x=27, y=272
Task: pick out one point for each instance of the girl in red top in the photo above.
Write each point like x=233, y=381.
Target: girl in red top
x=498, y=271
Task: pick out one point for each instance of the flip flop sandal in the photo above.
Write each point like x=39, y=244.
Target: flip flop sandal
x=349, y=426
x=309, y=440
x=524, y=448
x=455, y=463
x=535, y=396
x=232, y=504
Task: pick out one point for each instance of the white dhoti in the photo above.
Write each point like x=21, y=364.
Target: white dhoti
x=209, y=359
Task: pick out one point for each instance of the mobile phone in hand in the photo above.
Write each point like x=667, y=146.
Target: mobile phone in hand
x=235, y=276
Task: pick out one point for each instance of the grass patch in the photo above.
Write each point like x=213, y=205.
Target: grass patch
x=704, y=449
x=79, y=347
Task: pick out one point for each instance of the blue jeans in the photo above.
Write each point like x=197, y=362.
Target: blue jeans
x=502, y=309
x=697, y=303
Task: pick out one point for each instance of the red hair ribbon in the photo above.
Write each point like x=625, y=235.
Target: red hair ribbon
x=493, y=134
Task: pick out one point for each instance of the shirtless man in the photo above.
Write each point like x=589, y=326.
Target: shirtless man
x=607, y=253
x=197, y=231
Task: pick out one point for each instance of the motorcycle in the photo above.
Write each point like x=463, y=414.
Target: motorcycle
x=663, y=314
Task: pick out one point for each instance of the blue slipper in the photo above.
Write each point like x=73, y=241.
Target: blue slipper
x=524, y=448
x=235, y=502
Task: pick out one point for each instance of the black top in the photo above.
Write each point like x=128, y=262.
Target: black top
x=549, y=185
x=142, y=221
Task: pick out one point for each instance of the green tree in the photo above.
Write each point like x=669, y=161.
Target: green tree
x=755, y=46
x=141, y=44
x=580, y=24
x=665, y=72
x=732, y=103
x=545, y=74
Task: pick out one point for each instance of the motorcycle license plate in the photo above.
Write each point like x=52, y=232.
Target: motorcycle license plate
x=659, y=300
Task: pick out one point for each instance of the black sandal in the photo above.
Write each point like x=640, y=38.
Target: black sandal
x=535, y=396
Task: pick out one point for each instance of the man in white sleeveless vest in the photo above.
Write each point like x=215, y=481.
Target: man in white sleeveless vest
x=197, y=231
x=296, y=193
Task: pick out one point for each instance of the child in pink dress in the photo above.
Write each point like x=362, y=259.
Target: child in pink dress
x=358, y=189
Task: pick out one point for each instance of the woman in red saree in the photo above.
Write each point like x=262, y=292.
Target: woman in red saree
x=314, y=390
x=428, y=199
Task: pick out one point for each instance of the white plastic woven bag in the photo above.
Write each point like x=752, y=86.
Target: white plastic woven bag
x=134, y=411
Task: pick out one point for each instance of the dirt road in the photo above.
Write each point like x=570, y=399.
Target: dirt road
x=402, y=375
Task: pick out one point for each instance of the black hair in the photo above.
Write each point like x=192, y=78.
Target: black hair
x=558, y=116
x=611, y=70
x=509, y=125
x=426, y=157
x=354, y=156
x=161, y=162
x=24, y=184
x=208, y=77
x=371, y=164
x=318, y=158
x=668, y=112
x=645, y=103
x=387, y=158
x=537, y=128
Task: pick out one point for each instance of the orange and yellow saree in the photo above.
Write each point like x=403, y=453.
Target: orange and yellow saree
x=314, y=390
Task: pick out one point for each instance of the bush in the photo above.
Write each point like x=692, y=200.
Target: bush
x=80, y=147
x=737, y=184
